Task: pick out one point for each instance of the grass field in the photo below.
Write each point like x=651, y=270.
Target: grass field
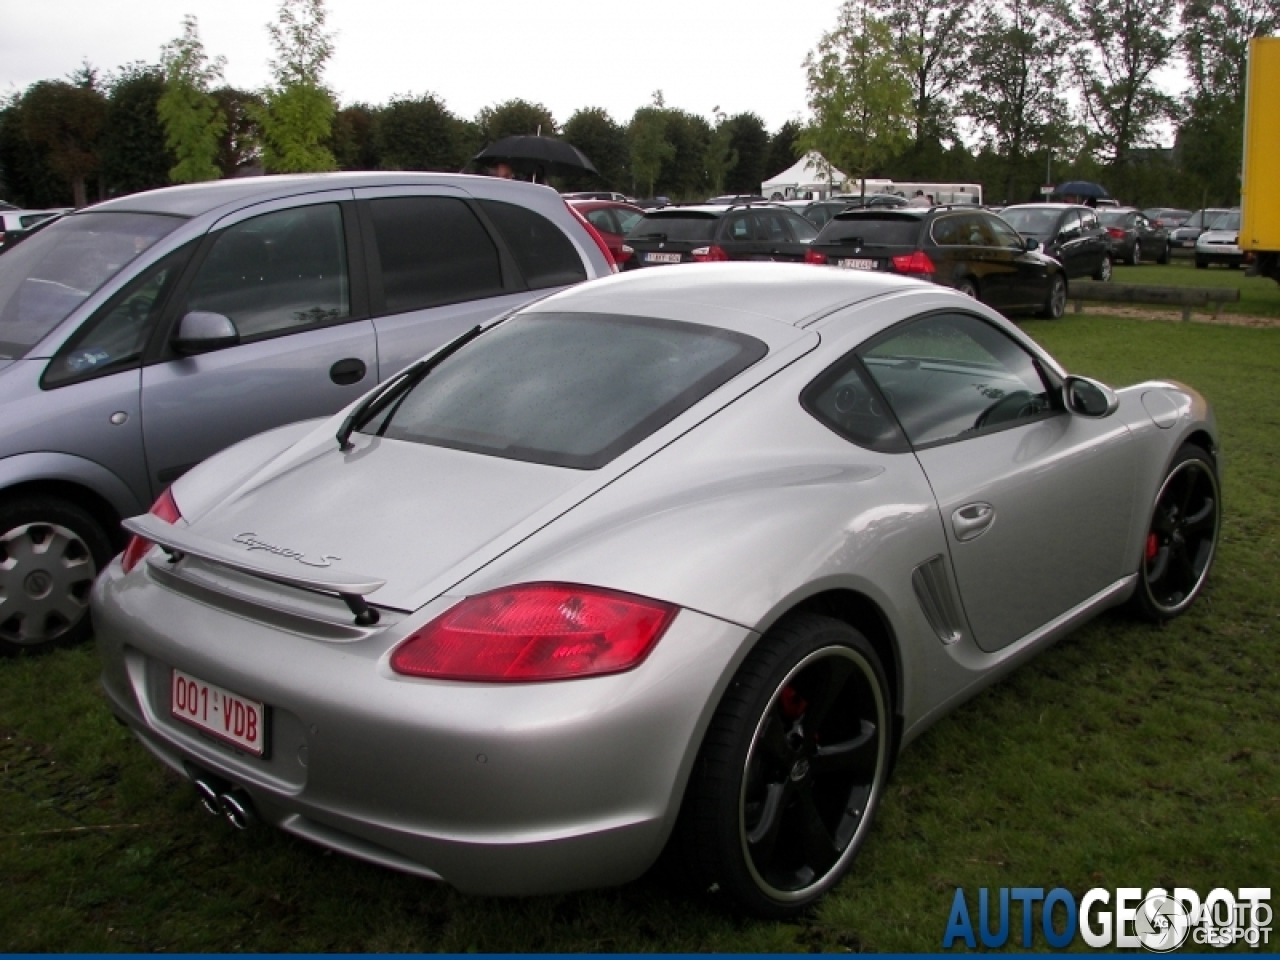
x=1124, y=756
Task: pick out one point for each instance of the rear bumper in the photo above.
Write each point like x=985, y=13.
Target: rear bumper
x=496, y=789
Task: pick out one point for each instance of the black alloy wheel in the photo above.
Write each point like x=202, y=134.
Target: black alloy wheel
x=1182, y=537
x=50, y=552
x=968, y=287
x=1136, y=257
x=791, y=769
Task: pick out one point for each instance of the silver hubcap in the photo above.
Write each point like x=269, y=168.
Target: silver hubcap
x=1106, y=268
x=46, y=571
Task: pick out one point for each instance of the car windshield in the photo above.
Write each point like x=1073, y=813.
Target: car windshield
x=1226, y=221
x=568, y=389
x=1031, y=221
x=46, y=277
x=872, y=229
x=680, y=228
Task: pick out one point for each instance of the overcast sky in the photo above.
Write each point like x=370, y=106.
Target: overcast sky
x=738, y=55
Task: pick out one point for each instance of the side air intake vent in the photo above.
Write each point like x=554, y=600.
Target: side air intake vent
x=937, y=600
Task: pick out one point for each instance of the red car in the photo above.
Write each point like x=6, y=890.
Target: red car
x=613, y=220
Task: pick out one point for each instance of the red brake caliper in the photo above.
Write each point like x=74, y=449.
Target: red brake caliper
x=792, y=703
x=1153, y=546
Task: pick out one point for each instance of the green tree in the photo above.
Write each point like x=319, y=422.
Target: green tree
x=1126, y=43
x=354, y=138
x=859, y=94
x=240, y=143
x=190, y=115
x=135, y=152
x=1015, y=101
x=515, y=118
x=684, y=173
x=783, y=148
x=750, y=140
x=66, y=120
x=418, y=133
x=593, y=131
x=27, y=178
x=650, y=148
x=720, y=157
x=298, y=111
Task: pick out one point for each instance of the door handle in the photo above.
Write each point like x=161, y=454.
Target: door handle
x=348, y=371
x=972, y=520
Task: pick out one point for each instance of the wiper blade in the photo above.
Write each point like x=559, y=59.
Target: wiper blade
x=651, y=236
x=399, y=385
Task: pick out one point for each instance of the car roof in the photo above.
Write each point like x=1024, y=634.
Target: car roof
x=195, y=199
x=789, y=293
x=1046, y=206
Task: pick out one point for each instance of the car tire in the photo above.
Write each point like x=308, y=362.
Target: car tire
x=1055, y=304
x=1201, y=264
x=50, y=552
x=1135, y=256
x=1103, y=273
x=1182, y=537
x=791, y=770
x=1164, y=257
x=968, y=287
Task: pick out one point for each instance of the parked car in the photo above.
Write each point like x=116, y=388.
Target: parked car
x=1133, y=236
x=971, y=250
x=724, y=542
x=1221, y=242
x=17, y=225
x=1068, y=232
x=1183, y=238
x=144, y=334
x=739, y=198
x=1167, y=217
x=890, y=200
x=612, y=220
x=704, y=234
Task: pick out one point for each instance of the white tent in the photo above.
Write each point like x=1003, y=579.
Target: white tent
x=811, y=174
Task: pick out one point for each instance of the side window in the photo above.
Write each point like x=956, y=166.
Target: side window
x=1070, y=226
x=997, y=233
x=739, y=228
x=115, y=337
x=947, y=231
x=543, y=253
x=843, y=399
x=602, y=219
x=775, y=229
x=949, y=376
x=804, y=230
x=1089, y=220
x=627, y=219
x=277, y=272
x=432, y=251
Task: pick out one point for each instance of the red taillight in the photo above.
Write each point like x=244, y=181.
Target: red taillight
x=1116, y=233
x=536, y=631
x=708, y=254
x=624, y=254
x=167, y=510
x=813, y=256
x=595, y=235
x=917, y=262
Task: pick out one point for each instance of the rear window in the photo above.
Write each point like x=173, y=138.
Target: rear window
x=43, y=279
x=1036, y=223
x=879, y=229
x=568, y=389
x=1226, y=221
x=1115, y=218
x=678, y=228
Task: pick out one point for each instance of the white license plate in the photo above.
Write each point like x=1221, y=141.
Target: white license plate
x=858, y=263
x=226, y=715
x=662, y=258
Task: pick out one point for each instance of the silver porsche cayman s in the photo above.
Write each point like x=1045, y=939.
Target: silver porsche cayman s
x=679, y=556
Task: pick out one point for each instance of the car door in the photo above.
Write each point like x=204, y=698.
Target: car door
x=1095, y=244
x=742, y=238
x=440, y=263
x=1037, y=503
x=789, y=235
x=1070, y=244
x=1023, y=273
x=281, y=272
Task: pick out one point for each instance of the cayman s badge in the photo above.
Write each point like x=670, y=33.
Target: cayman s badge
x=251, y=542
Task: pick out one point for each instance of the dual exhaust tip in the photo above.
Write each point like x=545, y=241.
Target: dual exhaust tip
x=221, y=799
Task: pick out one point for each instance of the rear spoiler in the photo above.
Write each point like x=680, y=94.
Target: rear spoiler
x=178, y=542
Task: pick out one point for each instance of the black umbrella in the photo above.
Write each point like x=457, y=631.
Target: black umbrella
x=1081, y=188
x=528, y=154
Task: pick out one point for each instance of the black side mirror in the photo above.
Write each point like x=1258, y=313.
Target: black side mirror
x=1089, y=398
x=1031, y=243
x=202, y=332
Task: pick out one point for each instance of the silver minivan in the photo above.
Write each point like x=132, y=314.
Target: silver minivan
x=142, y=335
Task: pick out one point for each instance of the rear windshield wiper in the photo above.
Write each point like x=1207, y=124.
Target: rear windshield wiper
x=651, y=236
x=397, y=386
